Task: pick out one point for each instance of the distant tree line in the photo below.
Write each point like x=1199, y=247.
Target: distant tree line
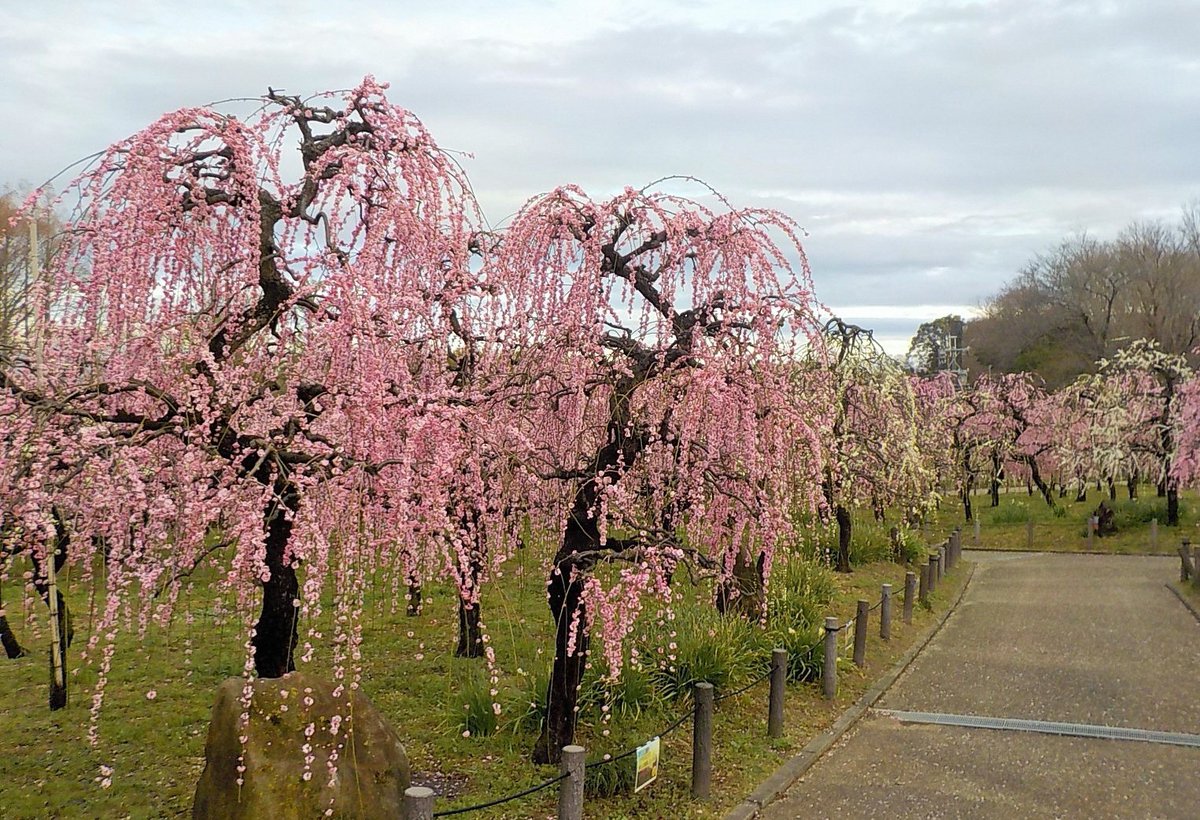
x=1086, y=299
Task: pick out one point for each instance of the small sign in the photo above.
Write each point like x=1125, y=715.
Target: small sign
x=647, y=764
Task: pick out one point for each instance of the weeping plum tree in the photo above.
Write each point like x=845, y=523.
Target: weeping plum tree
x=234, y=340
x=662, y=330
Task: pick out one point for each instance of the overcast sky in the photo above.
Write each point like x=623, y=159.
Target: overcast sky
x=928, y=148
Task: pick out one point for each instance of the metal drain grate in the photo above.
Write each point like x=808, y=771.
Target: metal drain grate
x=1046, y=727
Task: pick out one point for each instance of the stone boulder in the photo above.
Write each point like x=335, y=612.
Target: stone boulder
x=286, y=714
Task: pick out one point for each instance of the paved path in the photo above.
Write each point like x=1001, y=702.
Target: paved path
x=1070, y=638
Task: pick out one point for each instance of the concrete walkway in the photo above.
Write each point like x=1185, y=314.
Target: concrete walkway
x=1071, y=638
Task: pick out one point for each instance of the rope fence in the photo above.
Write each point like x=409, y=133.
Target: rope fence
x=419, y=800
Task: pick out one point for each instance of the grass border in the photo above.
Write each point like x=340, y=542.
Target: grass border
x=793, y=769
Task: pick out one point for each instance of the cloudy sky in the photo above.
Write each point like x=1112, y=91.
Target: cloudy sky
x=928, y=148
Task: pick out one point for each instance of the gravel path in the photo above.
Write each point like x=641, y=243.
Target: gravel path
x=1072, y=638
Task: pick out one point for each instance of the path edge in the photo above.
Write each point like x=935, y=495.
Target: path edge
x=1190, y=606
x=794, y=768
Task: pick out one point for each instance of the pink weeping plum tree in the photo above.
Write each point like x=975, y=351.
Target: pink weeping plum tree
x=664, y=334
x=245, y=345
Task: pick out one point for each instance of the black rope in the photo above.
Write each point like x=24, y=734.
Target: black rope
x=543, y=785
x=661, y=734
x=745, y=688
x=878, y=604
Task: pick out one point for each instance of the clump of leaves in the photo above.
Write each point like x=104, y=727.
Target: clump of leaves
x=472, y=709
x=529, y=702
x=610, y=779
x=725, y=651
x=799, y=597
x=628, y=697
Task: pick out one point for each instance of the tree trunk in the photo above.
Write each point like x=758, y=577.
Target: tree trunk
x=1112, y=489
x=276, y=633
x=1162, y=488
x=742, y=593
x=564, y=594
x=12, y=647
x=1172, y=507
x=470, y=633
x=843, y=523
x=1132, y=485
x=414, y=598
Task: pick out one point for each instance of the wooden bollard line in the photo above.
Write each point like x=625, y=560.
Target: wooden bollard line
x=778, y=689
x=702, y=721
x=829, y=667
x=885, y=613
x=910, y=591
x=924, y=590
x=860, y=633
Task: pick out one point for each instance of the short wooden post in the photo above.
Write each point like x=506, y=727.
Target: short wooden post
x=1091, y=532
x=1029, y=535
x=1196, y=566
x=1154, y=534
x=934, y=573
x=570, y=790
x=885, y=613
x=910, y=590
x=926, y=568
x=418, y=803
x=1185, y=560
x=976, y=541
x=942, y=556
x=702, y=722
x=829, y=668
x=860, y=632
x=778, y=688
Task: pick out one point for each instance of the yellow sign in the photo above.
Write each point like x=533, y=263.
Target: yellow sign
x=647, y=764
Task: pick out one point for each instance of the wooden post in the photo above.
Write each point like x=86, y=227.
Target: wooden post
x=58, y=673
x=976, y=542
x=1196, y=566
x=926, y=568
x=1091, y=532
x=1154, y=535
x=829, y=668
x=418, y=803
x=860, y=632
x=1186, y=570
x=702, y=721
x=885, y=613
x=778, y=688
x=570, y=790
x=910, y=589
x=934, y=573
x=1029, y=535
x=943, y=557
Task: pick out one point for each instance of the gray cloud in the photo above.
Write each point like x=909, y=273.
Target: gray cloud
x=929, y=148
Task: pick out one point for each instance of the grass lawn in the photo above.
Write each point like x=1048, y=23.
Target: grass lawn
x=1065, y=530
x=156, y=746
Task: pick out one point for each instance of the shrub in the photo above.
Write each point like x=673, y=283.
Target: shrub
x=472, y=709
x=529, y=704
x=628, y=697
x=725, y=651
x=799, y=597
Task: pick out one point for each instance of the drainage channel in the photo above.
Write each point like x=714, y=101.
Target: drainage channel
x=1046, y=727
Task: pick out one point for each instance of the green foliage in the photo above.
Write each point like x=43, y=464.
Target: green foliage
x=528, y=707
x=725, y=651
x=611, y=778
x=627, y=698
x=1011, y=513
x=799, y=597
x=472, y=708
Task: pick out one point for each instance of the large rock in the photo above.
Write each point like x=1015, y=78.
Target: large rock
x=372, y=769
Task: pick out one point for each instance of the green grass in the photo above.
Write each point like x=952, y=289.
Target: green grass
x=1064, y=528
x=156, y=746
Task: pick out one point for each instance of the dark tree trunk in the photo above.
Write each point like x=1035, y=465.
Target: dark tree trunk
x=414, y=598
x=564, y=594
x=1162, y=488
x=842, y=516
x=275, y=634
x=995, y=483
x=1029, y=488
x=1132, y=485
x=1172, y=507
x=1081, y=493
x=470, y=633
x=742, y=593
x=12, y=647
x=1112, y=489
